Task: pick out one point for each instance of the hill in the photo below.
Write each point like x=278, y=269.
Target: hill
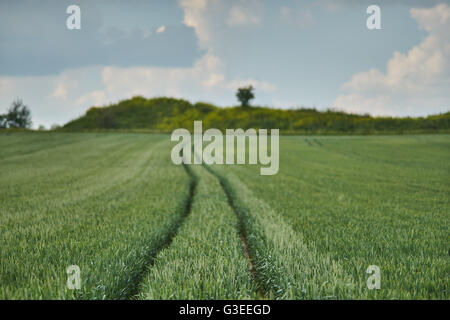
x=167, y=114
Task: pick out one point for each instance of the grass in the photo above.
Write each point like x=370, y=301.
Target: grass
x=102, y=203
x=285, y=267
x=357, y=201
x=205, y=259
x=140, y=227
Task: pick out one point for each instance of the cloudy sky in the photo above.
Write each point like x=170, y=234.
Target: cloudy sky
x=312, y=53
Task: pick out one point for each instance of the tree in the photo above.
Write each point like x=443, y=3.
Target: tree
x=106, y=119
x=18, y=116
x=244, y=95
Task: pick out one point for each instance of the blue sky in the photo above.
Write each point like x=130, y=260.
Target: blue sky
x=294, y=52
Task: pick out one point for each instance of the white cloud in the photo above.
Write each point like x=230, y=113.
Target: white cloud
x=208, y=18
x=213, y=80
x=63, y=85
x=330, y=5
x=204, y=79
x=52, y=99
x=60, y=92
x=6, y=86
x=336, y=5
x=244, y=15
x=195, y=17
x=161, y=29
x=151, y=81
x=415, y=83
x=263, y=86
x=301, y=17
x=96, y=98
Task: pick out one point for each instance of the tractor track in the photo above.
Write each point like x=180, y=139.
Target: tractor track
x=168, y=237
x=242, y=233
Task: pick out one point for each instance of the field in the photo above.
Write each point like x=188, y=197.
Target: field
x=140, y=227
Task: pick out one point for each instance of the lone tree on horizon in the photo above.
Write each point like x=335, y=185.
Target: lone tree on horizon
x=244, y=95
x=18, y=116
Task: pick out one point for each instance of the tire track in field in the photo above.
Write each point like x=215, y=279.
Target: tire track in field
x=308, y=142
x=312, y=142
x=274, y=248
x=317, y=142
x=242, y=233
x=168, y=237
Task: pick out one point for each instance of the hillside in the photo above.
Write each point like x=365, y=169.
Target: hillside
x=167, y=114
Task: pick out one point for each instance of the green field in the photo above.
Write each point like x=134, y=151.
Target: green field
x=140, y=227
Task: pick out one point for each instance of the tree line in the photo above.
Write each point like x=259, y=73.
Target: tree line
x=167, y=114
